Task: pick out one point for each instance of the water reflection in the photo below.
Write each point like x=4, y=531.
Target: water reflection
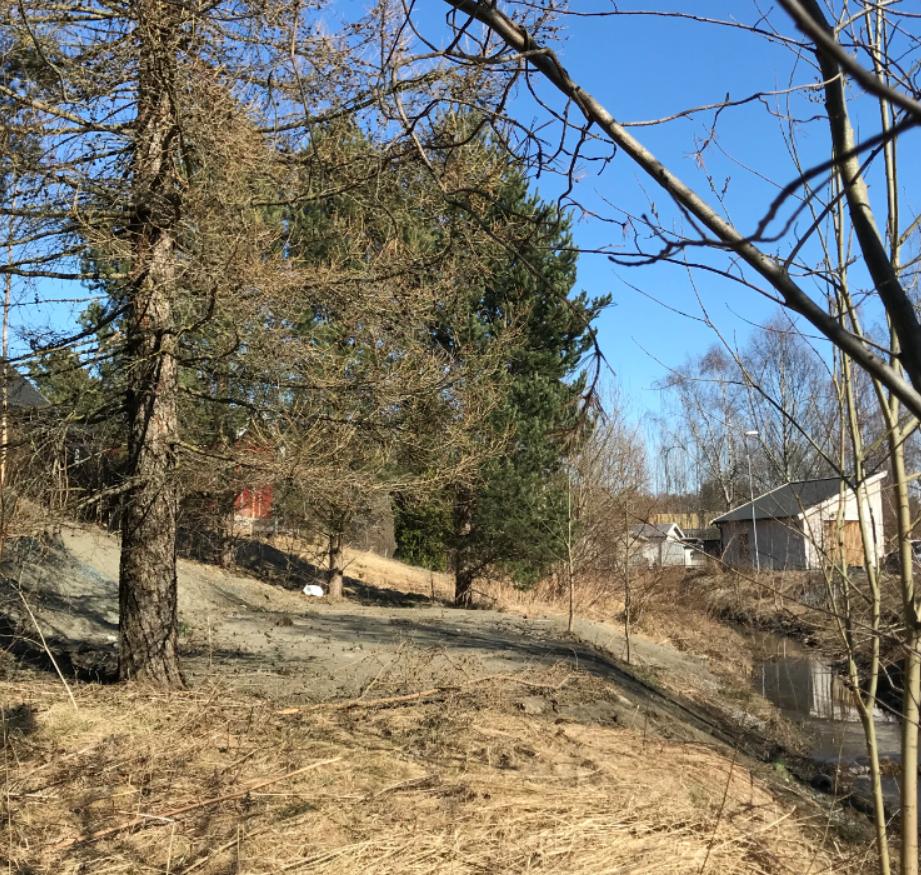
x=807, y=687
x=809, y=692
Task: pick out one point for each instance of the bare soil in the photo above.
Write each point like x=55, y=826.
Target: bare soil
x=273, y=637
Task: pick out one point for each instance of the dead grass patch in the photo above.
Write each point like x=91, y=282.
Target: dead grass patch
x=379, y=571
x=212, y=781
x=668, y=606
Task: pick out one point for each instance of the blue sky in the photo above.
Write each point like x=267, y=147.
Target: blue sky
x=645, y=67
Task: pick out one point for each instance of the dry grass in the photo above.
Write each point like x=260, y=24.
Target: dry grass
x=371, y=568
x=669, y=606
x=463, y=782
x=769, y=599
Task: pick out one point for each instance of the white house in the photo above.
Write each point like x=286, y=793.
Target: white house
x=805, y=525
x=661, y=544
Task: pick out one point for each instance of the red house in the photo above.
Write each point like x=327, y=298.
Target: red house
x=252, y=508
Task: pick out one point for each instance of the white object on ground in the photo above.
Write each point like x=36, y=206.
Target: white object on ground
x=314, y=590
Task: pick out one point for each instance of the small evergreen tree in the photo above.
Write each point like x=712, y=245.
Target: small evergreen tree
x=509, y=513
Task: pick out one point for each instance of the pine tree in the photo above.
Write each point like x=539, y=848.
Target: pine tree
x=509, y=514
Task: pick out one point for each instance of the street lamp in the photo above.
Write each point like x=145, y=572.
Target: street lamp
x=751, y=488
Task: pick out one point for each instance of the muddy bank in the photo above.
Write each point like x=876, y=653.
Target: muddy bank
x=789, y=603
x=728, y=717
x=755, y=622
x=810, y=690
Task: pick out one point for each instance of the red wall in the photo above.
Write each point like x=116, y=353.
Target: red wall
x=254, y=503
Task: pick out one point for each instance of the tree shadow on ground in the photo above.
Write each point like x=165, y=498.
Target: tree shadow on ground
x=31, y=573
x=272, y=565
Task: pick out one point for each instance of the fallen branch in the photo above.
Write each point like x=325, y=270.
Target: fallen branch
x=379, y=703
x=169, y=816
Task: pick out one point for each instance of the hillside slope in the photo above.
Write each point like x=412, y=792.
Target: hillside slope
x=401, y=737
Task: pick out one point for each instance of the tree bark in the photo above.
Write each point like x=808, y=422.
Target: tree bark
x=463, y=525
x=909, y=784
x=147, y=646
x=227, y=535
x=5, y=375
x=334, y=575
x=911, y=691
x=570, y=563
x=463, y=588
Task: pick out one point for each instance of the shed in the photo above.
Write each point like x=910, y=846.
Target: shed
x=660, y=544
x=705, y=539
x=804, y=525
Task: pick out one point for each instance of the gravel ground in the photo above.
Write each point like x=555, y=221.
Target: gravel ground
x=278, y=638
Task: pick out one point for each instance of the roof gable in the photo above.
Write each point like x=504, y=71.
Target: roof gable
x=658, y=531
x=22, y=393
x=789, y=500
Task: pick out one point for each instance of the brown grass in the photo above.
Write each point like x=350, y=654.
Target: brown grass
x=373, y=569
x=463, y=782
x=669, y=606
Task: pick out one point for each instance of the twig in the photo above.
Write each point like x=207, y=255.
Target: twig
x=169, y=816
x=46, y=648
x=377, y=703
x=218, y=850
x=719, y=815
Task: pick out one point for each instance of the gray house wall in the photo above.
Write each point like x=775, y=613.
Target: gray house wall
x=780, y=544
x=660, y=551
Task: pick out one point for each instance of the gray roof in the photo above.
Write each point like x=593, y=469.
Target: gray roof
x=22, y=393
x=785, y=501
x=654, y=531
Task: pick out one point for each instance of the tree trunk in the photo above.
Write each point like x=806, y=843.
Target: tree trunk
x=334, y=577
x=909, y=787
x=911, y=643
x=5, y=376
x=570, y=564
x=147, y=646
x=227, y=548
x=463, y=588
x=463, y=525
x=627, y=604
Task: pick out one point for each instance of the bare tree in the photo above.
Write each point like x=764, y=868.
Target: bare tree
x=604, y=482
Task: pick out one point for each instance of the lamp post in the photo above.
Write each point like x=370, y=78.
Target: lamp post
x=751, y=488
